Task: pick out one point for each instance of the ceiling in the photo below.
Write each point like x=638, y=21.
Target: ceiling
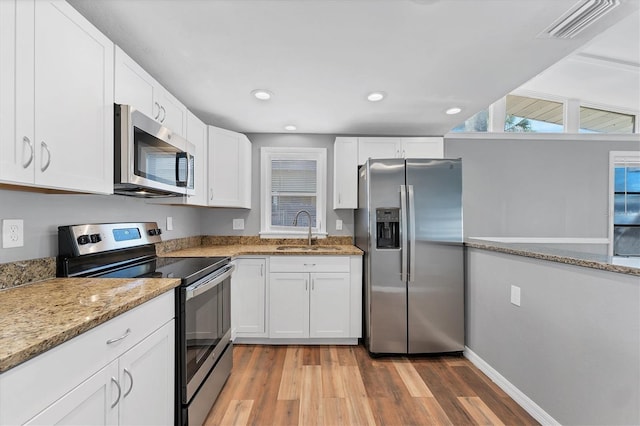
x=320, y=58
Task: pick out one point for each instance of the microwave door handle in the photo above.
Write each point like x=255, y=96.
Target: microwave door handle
x=181, y=156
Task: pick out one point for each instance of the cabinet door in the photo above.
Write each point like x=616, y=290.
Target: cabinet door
x=345, y=173
x=93, y=402
x=16, y=144
x=226, y=176
x=248, y=291
x=134, y=86
x=288, y=305
x=173, y=114
x=147, y=380
x=377, y=148
x=245, y=172
x=73, y=101
x=423, y=147
x=329, y=305
x=197, y=135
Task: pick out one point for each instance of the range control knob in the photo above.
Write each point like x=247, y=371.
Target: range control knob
x=158, y=231
x=153, y=232
x=95, y=238
x=84, y=239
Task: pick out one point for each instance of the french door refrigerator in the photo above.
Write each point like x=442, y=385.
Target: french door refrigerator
x=409, y=225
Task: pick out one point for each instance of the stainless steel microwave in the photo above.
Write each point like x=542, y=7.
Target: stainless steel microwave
x=149, y=159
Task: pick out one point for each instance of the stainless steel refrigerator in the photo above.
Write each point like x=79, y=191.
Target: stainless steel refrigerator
x=409, y=225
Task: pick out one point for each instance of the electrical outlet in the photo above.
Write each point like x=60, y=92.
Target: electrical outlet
x=169, y=223
x=12, y=233
x=238, y=224
x=515, y=295
x=338, y=225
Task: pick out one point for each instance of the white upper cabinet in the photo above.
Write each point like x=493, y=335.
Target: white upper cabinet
x=197, y=135
x=134, y=86
x=392, y=147
x=345, y=173
x=229, y=169
x=56, y=81
x=422, y=147
x=377, y=148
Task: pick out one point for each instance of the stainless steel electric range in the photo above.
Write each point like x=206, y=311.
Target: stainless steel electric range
x=203, y=315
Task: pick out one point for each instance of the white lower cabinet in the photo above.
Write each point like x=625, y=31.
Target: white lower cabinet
x=315, y=297
x=89, y=381
x=248, y=298
x=309, y=305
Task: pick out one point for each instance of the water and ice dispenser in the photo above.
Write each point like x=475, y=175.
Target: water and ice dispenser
x=388, y=228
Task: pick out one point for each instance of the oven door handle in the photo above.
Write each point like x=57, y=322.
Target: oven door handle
x=200, y=287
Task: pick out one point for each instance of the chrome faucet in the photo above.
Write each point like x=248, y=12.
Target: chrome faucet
x=295, y=223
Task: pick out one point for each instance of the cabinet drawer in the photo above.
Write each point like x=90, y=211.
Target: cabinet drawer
x=32, y=386
x=309, y=264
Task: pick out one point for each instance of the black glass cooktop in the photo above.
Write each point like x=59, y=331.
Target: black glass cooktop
x=189, y=269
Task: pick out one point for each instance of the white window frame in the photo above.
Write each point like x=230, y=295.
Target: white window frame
x=617, y=157
x=267, y=154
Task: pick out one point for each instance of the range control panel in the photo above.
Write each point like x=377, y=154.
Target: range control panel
x=77, y=240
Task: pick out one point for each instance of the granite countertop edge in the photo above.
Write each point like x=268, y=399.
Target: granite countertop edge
x=566, y=259
x=18, y=343
x=239, y=250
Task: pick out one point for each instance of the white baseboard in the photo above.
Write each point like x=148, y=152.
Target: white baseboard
x=516, y=394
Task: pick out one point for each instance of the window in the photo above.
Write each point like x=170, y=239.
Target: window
x=478, y=123
x=293, y=179
x=599, y=121
x=533, y=115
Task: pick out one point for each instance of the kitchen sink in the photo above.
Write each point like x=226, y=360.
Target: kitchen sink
x=314, y=248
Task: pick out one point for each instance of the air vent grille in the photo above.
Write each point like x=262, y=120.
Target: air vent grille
x=579, y=17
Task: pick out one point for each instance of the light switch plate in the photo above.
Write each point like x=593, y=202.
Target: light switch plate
x=515, y=295
x=338, y=225
x=238, y=224
x=169, y=223
x=12, y=233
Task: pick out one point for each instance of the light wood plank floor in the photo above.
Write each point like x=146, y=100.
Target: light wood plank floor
x=343, y=385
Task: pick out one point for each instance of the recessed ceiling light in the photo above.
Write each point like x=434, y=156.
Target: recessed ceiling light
x=290, y=127
x=375, y=96
x=453, y=111
x=263, y=95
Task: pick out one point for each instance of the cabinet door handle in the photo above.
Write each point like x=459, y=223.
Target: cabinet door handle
x=115, y=382
x=158, y=108
x=404, y=155
x=306, y=285
x=131, y=386
x=313, y=284
x=164, y=114
x=28, y=142
x=211, y=194
x=261, y=270
x=117, y=339
x=46, y=148
x=339, y=199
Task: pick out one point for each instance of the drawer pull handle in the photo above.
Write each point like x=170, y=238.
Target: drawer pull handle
x=309, y=264
x=130, y=387
x=117, y=339
x=115, y=382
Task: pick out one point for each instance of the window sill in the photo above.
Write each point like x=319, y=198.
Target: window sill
x=292, y=235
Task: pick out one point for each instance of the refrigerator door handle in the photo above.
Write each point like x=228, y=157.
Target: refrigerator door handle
x=412, y=235
x=403, y=231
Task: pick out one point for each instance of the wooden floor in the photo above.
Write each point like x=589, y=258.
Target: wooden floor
x=343, y=385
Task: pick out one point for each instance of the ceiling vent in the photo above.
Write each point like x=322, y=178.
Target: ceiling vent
x=579, y=17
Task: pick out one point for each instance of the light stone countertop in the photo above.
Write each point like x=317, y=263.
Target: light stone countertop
x=236, y=250
x=570, y=254
x=39, y=316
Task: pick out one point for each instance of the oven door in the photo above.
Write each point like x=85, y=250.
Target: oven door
x=204, y=329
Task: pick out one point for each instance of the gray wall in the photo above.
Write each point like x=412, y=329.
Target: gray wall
x=219, y=221
x=43, y=213
x=536, y=188
x=573, y=346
